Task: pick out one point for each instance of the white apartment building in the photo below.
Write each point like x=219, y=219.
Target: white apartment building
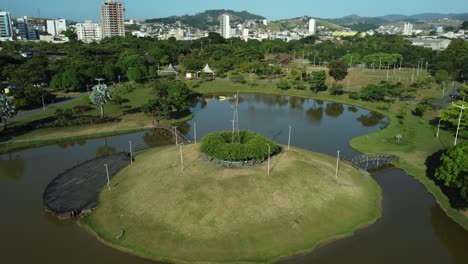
x=408, y=29
x=55, y=27
x=225, y=26
x=312, y=26
x=89, y=31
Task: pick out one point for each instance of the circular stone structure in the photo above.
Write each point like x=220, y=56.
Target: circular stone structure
x=208, y=214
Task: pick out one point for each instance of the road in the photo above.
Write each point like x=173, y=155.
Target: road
x=49, y=107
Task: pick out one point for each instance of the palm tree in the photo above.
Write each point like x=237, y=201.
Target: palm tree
x=100, y=96
x=7, y=109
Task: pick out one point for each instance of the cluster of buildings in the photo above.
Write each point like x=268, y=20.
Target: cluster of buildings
x=113, y=24
x=51, y=30
x=26, y=28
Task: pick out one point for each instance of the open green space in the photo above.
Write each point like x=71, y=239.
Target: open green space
x=206, y=213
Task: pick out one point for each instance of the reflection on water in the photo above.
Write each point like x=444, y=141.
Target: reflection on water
x=371, y=119
x=412, y=230
x=352, y=109
x=334, y=109
x=452, y=237
x=315, y=114
x=12, y=166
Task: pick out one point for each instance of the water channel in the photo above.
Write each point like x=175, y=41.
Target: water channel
x=413, y=228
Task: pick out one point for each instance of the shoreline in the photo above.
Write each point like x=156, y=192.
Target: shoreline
x=458, y=216
x=378, y=209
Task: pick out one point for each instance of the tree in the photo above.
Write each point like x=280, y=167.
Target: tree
x=441, y=76
x=373, y=92
x=338, y=69
x=454, y=169
x=283, y=85
x=463, y=90
x=72, y=36
x=7, y=109
x=317, y=81
x=451, y=115
x=100, y=96
x=464, y=25
x=336, y=89
x=157, y=106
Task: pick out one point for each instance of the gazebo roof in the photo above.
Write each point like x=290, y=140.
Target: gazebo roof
x=207, y=69
x=170, y=69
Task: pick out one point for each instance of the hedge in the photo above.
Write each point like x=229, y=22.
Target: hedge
x=251, y=146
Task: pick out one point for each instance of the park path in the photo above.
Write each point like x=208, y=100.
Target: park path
x=48, y=107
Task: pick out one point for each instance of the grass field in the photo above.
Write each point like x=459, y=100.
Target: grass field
x=418, y=143
x=209, y=214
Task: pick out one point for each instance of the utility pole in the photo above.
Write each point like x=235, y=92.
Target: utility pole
x=108, y=180
x=401, y=62
x=462, y=107
x=131, y=152
x=268, y=159
x=289, y=137
x=412, y=76
x=337, y=163
x=195, y=132
x=438, y=129
x=43, y=105
x=175, y=134
x=181, y=158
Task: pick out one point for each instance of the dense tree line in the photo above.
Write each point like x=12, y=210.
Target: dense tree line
x=74, y=66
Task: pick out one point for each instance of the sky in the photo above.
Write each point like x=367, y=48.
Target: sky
x=79, y=10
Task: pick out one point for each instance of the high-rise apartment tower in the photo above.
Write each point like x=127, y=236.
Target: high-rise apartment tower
x=112, y=19
x=225, y=26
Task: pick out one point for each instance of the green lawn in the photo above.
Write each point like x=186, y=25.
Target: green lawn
x=210, y=214
x=419, y=141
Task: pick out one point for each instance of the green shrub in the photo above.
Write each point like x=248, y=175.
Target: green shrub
x=420, y=109
x=250, y=146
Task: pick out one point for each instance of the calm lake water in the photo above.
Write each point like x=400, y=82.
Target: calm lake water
x=413, y=228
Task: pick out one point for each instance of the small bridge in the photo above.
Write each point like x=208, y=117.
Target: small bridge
x=172, y=132
x=371, y=161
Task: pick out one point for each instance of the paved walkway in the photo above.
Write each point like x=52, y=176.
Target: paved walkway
x=49, y=107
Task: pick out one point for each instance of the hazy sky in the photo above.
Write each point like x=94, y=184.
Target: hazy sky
x=79, y=10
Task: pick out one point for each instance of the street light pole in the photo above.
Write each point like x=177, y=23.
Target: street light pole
x=176, y=139
x=181, y=158
x=337, y=163
x=43, y=105
x=462, y=107
x=289, y=138
x=131, y=152
x=108, y=180
x=438, y=129
x=195, y=132
x=268, y=159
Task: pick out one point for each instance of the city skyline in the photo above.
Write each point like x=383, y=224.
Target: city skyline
x=144, y=9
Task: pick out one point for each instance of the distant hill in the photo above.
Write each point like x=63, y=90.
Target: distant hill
x=208, y=18
x=289, y=24
x=425, y=17
x=355, y=20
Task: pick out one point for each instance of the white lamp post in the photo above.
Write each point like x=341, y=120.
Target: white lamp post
x=337, y=163
x=268, y=159
x=108, y=180
x=462, y=107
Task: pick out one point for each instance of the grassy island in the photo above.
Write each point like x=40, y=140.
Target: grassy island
x=212, y=214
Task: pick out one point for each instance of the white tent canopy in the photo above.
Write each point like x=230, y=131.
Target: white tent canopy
x=207, y=69
x=170, y=69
